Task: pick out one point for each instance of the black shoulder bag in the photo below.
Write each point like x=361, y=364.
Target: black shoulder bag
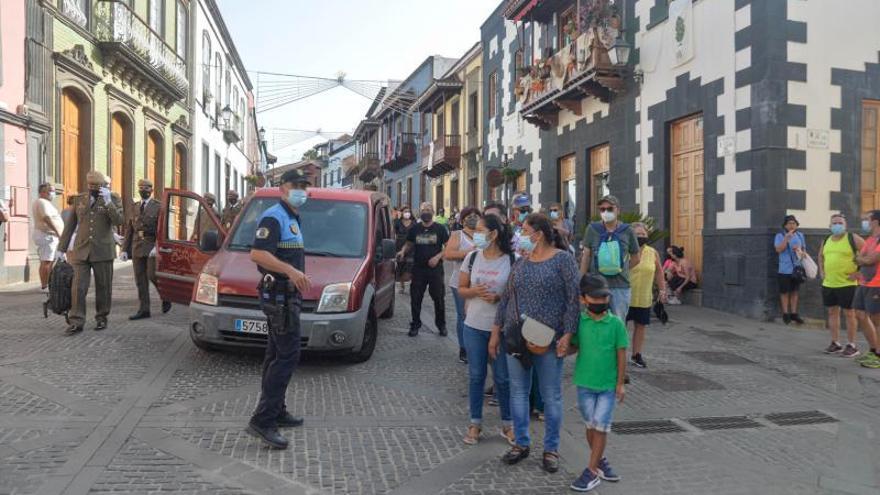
x=798, y=273
x=513, y=339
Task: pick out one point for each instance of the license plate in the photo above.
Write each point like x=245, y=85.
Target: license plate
x=260, y=327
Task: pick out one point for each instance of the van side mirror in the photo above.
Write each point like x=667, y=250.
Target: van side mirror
x=389, y=249
x=209, y=241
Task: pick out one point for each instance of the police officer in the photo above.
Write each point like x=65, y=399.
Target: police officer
x=233, y=208
x=140, y=247
x=279, y=254
x=96, y=214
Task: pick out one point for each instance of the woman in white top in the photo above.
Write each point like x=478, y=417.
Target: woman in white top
x=482, y=279
x=460, y=244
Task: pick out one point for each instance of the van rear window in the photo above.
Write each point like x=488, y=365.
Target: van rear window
x=330, y=227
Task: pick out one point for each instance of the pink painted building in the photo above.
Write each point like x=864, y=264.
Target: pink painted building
x=19, y=172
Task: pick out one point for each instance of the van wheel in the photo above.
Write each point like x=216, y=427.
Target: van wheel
x=203, y=345
x=371, y=333
x=389, y=313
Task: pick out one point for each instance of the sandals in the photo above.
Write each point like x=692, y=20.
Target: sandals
x=507, y=434
x=473, y=435
x=515, y=454
x=551, y=462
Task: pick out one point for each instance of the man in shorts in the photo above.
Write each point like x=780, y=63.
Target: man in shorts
x=867, y=297
x=48, y=227
x=837, y=264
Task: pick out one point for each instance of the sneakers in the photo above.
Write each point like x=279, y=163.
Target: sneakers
x=673, y=300
x=462, y=355
x=586, y=482
x=833, y=348
x=786, y=318
x=850, y=351
x=871, y=360
x=413, y=330
x=796, y=318
x=605, y=471
x=638, y=360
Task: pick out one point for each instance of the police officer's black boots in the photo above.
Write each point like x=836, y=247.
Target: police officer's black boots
x=270, y=436
x=166, y=306
x=287, y=420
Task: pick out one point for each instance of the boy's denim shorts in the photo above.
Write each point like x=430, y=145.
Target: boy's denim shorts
x=597, y=408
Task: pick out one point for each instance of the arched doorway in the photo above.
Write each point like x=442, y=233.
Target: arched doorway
x=75, y=134
x=155, y=157
x=121, y=169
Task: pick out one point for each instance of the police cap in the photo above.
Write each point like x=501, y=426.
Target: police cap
x=296, y=176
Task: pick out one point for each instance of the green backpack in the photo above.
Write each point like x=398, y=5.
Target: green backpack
x=609, y=257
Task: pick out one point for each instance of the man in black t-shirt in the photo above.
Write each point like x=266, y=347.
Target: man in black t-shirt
x=426, y=239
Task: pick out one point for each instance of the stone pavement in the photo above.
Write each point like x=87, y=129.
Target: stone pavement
x=138, y=409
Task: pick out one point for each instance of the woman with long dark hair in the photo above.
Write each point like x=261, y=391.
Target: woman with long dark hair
x=482, y=280
x=542, y=287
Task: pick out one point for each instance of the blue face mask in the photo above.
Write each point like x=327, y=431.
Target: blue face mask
x=522, y=216
x=526, y=244
x=554, y=215
x=866, y=226
x=297, y=197
x=480, y=240
x=837, y=229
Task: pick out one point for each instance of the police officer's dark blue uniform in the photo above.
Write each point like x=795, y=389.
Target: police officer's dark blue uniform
x=279, y=235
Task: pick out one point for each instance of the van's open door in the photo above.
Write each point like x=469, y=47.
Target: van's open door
x=189, y=234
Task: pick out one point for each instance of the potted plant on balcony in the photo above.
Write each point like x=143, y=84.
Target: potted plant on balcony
x=537, y=79
x=570, y=32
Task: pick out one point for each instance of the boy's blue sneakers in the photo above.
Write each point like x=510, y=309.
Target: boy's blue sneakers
x=586, y=482
x=606, y=472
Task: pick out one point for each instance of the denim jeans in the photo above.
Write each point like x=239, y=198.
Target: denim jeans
x=597, y=408
x=549, y=372
x=476, y=343
x=620, y=297
x=459, y=317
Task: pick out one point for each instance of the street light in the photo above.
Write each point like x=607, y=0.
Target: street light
x=262, y=132
x=619, y=52
x=226, y=115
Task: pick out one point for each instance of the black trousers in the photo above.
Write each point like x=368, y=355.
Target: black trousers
x=435, y=282
x=282, y=356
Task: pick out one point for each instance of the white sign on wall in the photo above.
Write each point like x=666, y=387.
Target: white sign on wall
x=726, y=146
x=817, y=138
x=681, y=22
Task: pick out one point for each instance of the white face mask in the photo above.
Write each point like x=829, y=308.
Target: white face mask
x=407, y=215
x=608, y=216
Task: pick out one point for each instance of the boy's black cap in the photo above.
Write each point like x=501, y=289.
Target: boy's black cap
x=296, y=176
x=594, y=286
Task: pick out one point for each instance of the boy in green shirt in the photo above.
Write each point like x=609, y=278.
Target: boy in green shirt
x=599, y=372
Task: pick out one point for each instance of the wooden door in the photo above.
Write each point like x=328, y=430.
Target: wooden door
x=687, y=188
x=177, y=183
x=72, y=145
x=154, y=157
x=568, y=184
x=870, y=155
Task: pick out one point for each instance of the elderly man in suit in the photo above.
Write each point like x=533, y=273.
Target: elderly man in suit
x=96, y=214
x=140, y=247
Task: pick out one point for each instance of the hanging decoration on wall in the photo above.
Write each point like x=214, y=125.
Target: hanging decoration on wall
x=681, y=22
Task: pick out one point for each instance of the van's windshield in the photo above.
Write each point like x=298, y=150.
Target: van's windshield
x=330, y=228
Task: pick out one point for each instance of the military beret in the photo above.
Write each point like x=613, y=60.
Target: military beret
x=145, y=183
x=210, y=196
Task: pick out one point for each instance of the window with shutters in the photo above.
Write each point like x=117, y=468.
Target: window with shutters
x=182, y=29
x=156, y=16
x=206, y=67
x=492, y=94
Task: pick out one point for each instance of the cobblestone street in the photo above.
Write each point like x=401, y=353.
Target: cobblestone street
x=139, y=409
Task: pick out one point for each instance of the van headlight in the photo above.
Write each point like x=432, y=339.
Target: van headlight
x=334, y=298
x=206, y=290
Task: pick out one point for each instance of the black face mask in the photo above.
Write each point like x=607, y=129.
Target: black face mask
x=94, y=193
x=426, y=217
x=642, y=240
x=597, y=308
x=145, y=194
x=232, y=201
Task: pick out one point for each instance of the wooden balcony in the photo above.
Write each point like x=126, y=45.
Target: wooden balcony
x=447, y=155
x=579, y=70
x=369, y=167
x=400, y=151
x=137, y=54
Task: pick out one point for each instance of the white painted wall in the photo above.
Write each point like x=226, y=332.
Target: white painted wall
x=334, y=165
x=204, y=130
x=847, y=38
x=715, y=23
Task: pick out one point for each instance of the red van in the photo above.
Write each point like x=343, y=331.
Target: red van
x=350, y=258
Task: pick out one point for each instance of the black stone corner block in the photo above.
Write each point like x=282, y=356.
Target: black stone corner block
x=796, y=31
x=848, y=204
x=795, y=199
x=741, y=3
x=745, y=200
x=742, y=39
x=718, y=199
x=743, y=119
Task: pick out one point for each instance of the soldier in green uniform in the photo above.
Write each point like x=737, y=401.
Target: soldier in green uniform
x=140, y=246
x=233, y=208
x=96, y=214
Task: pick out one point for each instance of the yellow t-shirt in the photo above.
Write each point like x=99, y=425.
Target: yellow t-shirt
x=641, y=279
x=839, y=261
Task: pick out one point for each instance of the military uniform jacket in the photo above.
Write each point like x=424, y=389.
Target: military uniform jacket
x=94, y=223
x=141, y=228
x=229, y=214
